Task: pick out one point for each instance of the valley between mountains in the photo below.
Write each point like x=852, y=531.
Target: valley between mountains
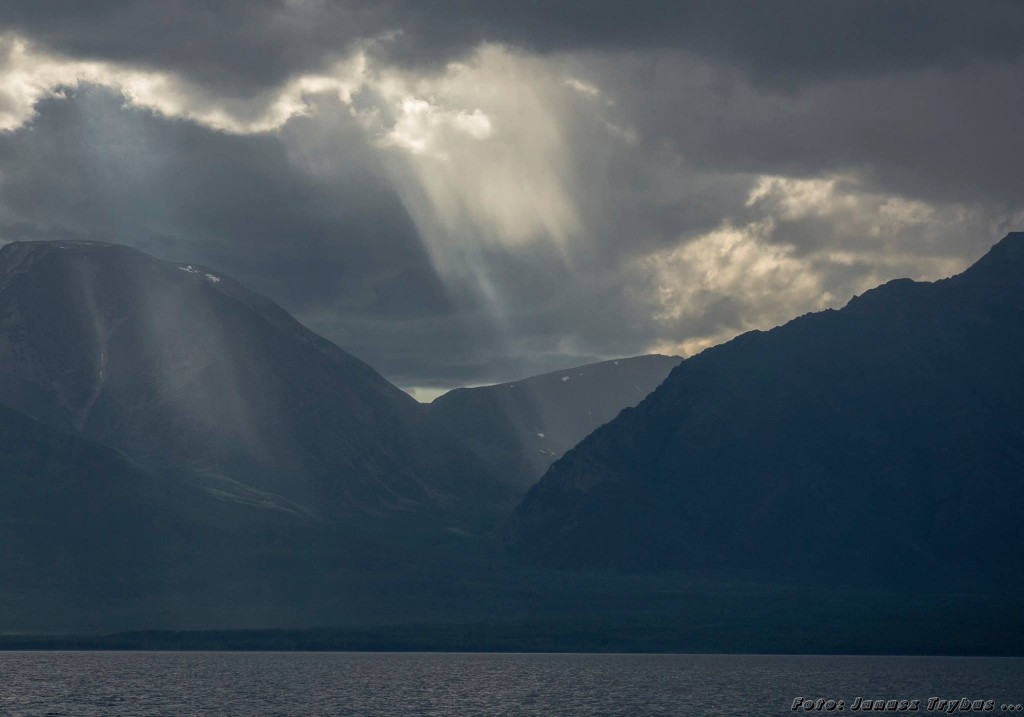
x=178, y=452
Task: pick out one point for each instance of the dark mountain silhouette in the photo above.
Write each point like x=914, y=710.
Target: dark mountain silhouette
x=522, y=427
x=89, y=539
x=82, y=522
x=881, y=442
x=191, y=375
x=72, y=512
x=182, y=454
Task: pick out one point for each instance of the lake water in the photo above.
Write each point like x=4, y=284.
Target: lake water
x=109, y=684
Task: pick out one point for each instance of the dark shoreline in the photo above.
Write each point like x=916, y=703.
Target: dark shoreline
x=556, y=637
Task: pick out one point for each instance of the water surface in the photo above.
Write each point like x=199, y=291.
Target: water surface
x=222, y=684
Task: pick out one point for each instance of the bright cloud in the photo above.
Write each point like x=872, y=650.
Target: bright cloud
x=726, y=282
x=710, y=288
x=479, y=151
x=27, y=75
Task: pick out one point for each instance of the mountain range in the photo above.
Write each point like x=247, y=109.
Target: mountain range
x=178, y=451
x=882, y=443
x=522, y=427
x=164, y=430
x=190, y=374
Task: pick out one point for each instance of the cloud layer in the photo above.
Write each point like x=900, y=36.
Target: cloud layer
x=481, y=192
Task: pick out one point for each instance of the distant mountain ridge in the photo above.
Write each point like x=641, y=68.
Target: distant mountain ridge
x=522, y=427
x=882, y=442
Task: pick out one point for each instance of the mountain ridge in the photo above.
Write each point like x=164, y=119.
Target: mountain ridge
x=805, y=418
x=522, y=426
x=190, y=373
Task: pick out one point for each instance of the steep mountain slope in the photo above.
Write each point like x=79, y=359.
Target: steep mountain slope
x=521, y=427
x=89, y=540
x=79, y=518
x=68, y=506
x=191, y=375
x=880, y=442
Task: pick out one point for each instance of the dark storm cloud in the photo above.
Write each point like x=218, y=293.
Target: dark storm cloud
x=237, y=46
x=244, y=46
x=930, y=133
x=782, y=42
x=902, y=119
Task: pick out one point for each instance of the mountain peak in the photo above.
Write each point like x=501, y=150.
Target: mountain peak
x=890, y=416
x=198, y=378
x=1004, y=262
x=36, y=248
x=124, y=266
x=13, y=253
x=1011, y=245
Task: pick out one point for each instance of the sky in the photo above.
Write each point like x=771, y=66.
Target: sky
x=463, y=192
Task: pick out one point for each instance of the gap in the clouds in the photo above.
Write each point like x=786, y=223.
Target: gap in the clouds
x=426, y=394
